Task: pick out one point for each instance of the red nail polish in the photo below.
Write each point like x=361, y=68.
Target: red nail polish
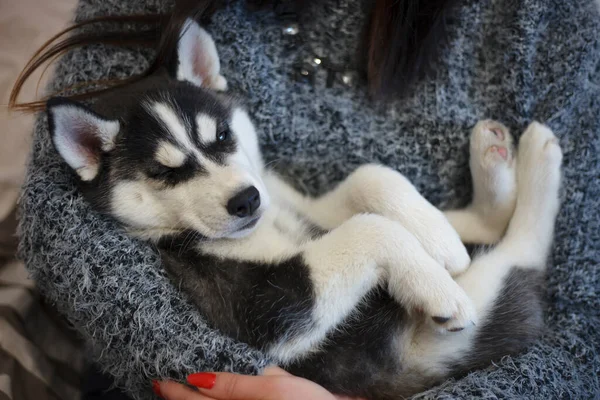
x=156, y=389
x=204, y=380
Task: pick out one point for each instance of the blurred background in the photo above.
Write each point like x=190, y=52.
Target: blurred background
x=39, y=356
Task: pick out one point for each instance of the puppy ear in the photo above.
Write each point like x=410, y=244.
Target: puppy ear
x=198, y=61
x=80, y=135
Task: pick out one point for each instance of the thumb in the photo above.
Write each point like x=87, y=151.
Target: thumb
x=227, y=386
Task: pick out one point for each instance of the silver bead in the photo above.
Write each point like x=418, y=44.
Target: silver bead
x=291, y=29
x=348, y=78
x=313, y=61
x=305, y=73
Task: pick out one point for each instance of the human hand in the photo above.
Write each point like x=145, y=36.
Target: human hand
x=274, y=384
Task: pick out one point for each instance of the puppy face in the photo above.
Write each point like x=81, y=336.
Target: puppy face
x=183, y=158
x=188, y=161
x=180, y=157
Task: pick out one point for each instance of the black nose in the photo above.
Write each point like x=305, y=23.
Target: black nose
x=244, y=203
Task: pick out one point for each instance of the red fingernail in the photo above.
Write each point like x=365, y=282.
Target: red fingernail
x=156, y=389
x=204, y=380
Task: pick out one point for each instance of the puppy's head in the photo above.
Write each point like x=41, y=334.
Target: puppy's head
x=181, y=157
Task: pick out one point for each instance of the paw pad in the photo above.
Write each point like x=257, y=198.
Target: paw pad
x=502, y=151
x=498, y=132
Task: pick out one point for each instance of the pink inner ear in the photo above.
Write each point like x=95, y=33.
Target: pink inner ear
x=81, y=137
x=202, y=64
x=89, y=143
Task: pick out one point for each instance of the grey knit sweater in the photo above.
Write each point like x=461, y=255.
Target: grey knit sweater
x=511, y=60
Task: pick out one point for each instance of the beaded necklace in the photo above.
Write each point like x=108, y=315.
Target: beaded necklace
x=310, y=62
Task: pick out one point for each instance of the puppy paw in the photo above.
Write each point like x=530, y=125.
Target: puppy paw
x=443, y=244
x=540, y=159
x=491, y=144
x=494, y=171
x=450, y=309
x=431, y=291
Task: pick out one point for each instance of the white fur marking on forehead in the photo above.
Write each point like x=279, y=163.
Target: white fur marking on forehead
x=169, y=155
x=207, y=128
x=246, y=136
x=174, y=125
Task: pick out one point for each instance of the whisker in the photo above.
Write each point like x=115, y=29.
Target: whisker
x=184, y=244
x=272, y=162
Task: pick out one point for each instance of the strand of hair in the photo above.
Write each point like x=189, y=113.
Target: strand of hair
x=49, y=51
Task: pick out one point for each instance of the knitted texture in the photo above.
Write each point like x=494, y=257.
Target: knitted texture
x=511, y=60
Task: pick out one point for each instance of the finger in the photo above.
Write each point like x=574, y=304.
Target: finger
x=348, y=398
x=274, y=370
x=227, y=386
x=170, y=390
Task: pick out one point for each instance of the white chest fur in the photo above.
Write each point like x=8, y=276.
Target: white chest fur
x=280, y=233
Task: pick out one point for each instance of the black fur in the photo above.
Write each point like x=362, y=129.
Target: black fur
x=259, y=303
x=362, y=356
x=515, y=322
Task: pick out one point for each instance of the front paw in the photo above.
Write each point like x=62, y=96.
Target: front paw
x=431, y=291
x=443, y=244
x=449, y=309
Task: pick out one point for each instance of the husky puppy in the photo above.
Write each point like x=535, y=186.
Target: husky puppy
x=368, y=289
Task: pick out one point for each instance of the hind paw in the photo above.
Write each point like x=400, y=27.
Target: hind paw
x=494, y=172
x=540, y=158
x=491, y=144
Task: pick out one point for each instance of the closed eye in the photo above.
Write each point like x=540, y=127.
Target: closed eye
x=161, y=172
x=174, y=175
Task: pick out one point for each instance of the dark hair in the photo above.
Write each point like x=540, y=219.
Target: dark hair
x=405, y=39
x=402, y=39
